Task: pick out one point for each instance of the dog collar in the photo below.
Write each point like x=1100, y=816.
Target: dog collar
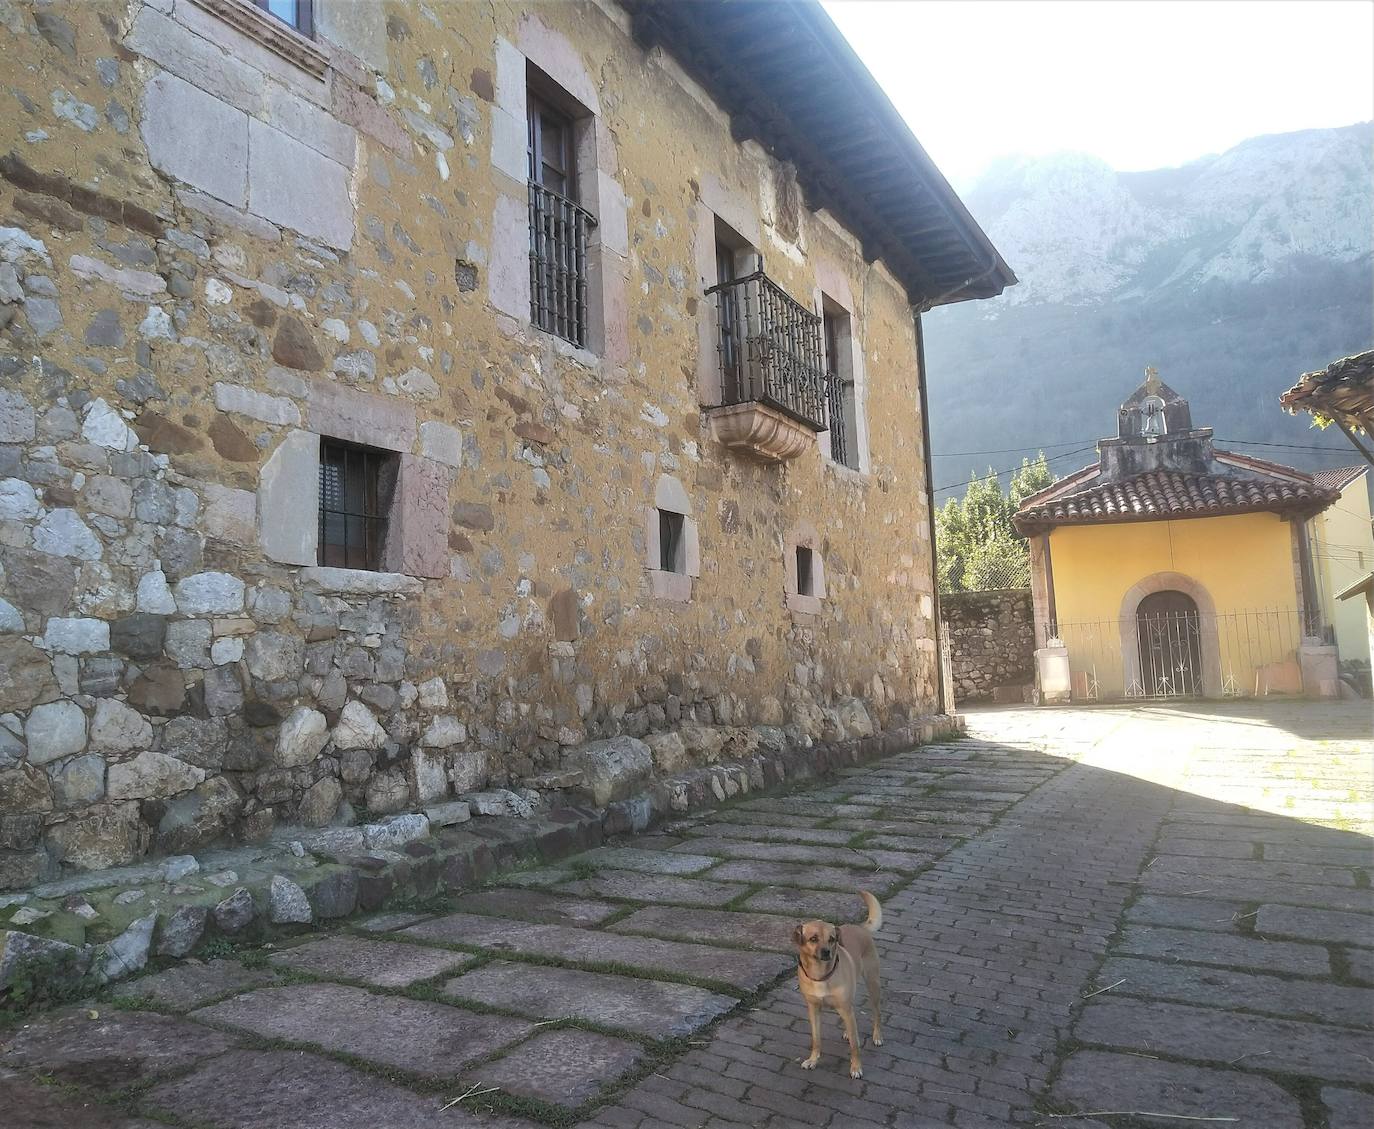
x=820, y=979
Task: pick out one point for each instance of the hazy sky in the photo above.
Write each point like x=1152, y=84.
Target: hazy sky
x=1140, y=83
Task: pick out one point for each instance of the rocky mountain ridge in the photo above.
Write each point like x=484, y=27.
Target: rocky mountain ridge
x=1232, y=274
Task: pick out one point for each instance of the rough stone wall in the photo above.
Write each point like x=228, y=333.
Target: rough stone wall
x=211, y=255
x=991, y=640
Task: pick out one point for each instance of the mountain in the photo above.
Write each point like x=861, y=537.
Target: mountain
x=1232, y=275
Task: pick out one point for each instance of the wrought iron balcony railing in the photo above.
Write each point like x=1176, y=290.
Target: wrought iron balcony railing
x=560, y=231
x=770, y=350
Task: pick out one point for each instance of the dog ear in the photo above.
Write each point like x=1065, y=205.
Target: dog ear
x=797, y=936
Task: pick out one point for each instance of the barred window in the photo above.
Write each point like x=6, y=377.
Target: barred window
x=356, y=484
x=560, y=229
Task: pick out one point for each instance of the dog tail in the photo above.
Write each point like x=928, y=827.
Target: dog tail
x=875, y=912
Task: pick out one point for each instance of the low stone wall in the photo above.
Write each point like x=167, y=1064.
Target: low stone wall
x=104, y=925
x=991, y=641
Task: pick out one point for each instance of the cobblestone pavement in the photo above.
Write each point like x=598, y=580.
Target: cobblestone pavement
x=1091, y=916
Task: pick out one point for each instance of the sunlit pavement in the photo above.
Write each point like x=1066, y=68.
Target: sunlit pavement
x=1092, y=916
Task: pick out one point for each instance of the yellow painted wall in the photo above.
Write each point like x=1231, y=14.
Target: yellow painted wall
x=1245, y=562
x=1342, y=553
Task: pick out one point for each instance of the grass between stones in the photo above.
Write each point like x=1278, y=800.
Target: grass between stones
x=656, y=1053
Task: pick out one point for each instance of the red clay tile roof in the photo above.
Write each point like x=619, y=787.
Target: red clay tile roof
x=1343, y=391
x=1159, y=495
x=1337, y=478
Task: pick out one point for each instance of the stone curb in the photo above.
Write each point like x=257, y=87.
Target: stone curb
x=329, y=874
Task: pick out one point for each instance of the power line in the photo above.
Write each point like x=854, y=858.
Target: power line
x=1005, y=450
x=1093, y=442
x=1290, y=446
x=1012, y=470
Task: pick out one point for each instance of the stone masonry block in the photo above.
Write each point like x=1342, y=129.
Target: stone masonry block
x=196, y=138
x=291, y=184
x=417, y=534
x=360, y=417
x=289, y=486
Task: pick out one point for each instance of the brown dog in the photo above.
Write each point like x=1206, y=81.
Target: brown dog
x=830, y=961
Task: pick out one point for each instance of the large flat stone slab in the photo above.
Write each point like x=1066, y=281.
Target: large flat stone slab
x=1264, y=871
x=807, y=877
x=1258, y=890
x=1359, y=853
x=566, y=1068
x=277, y=1089
x=712, y=926
x=1335, y=1054
x=435, y=1040
x=1214, y=948
x=1316, y=925
x=817, y=836
x=860, y=858
x=741, y=970
x=805, y=905
x=908, y=828
x=383, y=964
x=537, y=905
x=1224, y=987
x=639, y=858
x=29, y=1105
x=1096, y=1080
x=386, y=922
x=1348, y=1109
x=111, y=1052
x=1211, y=914
x=192, y=983
x=657, y=1008
x=632, y=886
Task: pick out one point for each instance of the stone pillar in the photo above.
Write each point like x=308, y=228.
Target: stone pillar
x=1320, y=670
x=1052, y=673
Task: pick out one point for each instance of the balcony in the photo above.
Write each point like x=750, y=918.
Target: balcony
x=560, y=231
x=772, y=372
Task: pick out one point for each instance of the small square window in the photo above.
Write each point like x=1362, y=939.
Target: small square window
x=356, y=484
x=672, y=546
x=806, y=584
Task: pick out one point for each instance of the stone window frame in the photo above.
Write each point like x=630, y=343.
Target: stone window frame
x=415, y=543
x=804, y=536
x=563, y=78
x=719, y=208
x=842, y=319
x=296, y=46
x=832, y=290
x=670, y=496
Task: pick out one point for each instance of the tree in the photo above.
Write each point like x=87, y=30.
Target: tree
x=977, y=547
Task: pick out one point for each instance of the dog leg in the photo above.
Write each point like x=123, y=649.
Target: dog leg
x=813, y=1013
x=875, y=1001
x=851, y=1028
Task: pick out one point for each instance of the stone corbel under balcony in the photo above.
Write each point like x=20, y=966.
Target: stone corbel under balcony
x=761, y=432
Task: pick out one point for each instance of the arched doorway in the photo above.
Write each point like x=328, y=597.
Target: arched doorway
x=1169, y=637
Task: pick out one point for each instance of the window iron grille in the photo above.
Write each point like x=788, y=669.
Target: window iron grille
x=770, y=349
x=560, y=234
x=353, y=496
x=836, y=394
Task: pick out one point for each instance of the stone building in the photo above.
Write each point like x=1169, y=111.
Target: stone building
x=396, y=398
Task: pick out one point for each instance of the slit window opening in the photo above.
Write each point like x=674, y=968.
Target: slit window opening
x=806, y=585
x=672, y=549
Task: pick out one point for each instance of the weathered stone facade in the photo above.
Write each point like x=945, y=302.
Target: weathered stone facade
x=991, y=643
x=217, y=248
